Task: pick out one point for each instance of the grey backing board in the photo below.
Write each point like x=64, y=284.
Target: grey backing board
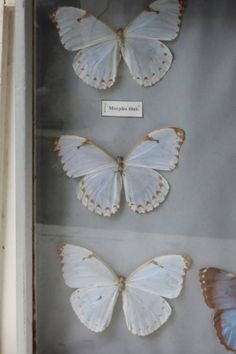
x=198, y=95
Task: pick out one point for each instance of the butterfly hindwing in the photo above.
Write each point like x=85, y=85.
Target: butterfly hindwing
x=96, y=286
x=97, y=65
x=144, y=312
x=148, y=60
x=100, y=192
x=145, y=189
x=225, y=325
x=94, y=306
x=219, y=291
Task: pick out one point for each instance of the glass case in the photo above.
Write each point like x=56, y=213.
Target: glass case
x=196, y=219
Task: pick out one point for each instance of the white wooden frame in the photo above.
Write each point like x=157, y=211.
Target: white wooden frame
x=7, y=182
x=24, y=168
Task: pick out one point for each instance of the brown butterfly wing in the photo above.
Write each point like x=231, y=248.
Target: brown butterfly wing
x=225, y=325
x=219, y=291
x=218, y=287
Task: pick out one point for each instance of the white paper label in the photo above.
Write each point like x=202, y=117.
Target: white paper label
x=128, y=109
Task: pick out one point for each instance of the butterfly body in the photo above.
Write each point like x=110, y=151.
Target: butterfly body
x=120, y=37
x=121, y=284
x=219, y=291
x=104, y=176
x=100, y=48
x=98, y=287
x=120, y=163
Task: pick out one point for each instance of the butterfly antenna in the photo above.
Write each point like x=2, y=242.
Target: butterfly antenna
x=105, y=9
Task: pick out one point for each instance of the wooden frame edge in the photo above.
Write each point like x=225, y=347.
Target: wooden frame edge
x=24, y=175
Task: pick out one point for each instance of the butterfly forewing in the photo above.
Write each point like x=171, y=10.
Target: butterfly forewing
x=161, y=20
x=79, y=29
x=162, y=275
x=219, y=291
x=80, y=156
x=82, y=268
x=97, y=286
x=158, y=150
x=219, y=288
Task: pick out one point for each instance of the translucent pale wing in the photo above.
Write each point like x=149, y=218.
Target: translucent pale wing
x=158, y=150
x=82, y=268
x=144, y=312
x=161, y=20
x=219, y=288
x=79, y=29
x=148, y=60
x=100, y=192
x=98, y=57
x=145, y=189
x=225, y=324
x=97, y=65
x=162, y=275
x=94, y=306
x=80, y=156
x=97, y=292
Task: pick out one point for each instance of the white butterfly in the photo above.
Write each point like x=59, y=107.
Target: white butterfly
x=98, y=288
x=100, y=48
x=100, y=188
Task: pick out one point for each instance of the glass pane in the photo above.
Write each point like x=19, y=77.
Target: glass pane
x=197, y=218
